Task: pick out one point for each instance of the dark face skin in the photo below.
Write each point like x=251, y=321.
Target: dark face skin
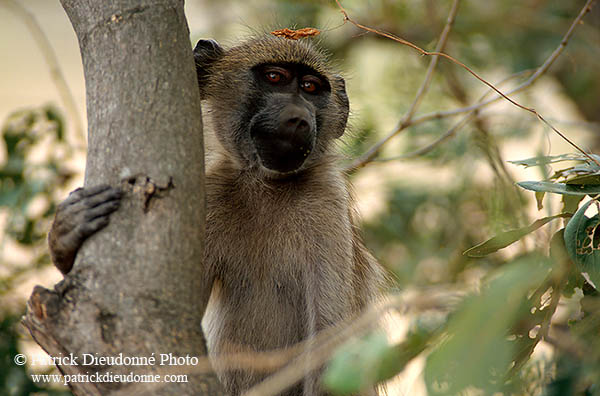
x=277, y=116
x=284, y=124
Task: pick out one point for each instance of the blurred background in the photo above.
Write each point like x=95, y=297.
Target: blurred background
x=420, y=211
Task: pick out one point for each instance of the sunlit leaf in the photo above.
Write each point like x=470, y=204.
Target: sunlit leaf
x=545, y=160
x=354, y=367
x=582, y=239
x=507, y=238
x=571, y=203
x=476, y=351
x=362, y=364
x=539, y=199
x=399, y=355
x=560, y=188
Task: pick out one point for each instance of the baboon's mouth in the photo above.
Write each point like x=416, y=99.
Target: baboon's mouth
x=282, y=155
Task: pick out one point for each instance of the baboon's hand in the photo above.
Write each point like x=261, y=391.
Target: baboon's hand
x=85, y=211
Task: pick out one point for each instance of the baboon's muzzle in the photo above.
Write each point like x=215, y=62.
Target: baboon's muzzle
x=284, y=139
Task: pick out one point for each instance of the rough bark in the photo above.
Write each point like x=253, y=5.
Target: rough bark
x=137, y=287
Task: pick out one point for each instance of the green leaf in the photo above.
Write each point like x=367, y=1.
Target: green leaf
x=507, y=238
x=476, y=352
x=574, y=280
x=571, y=203
x=545, y=160
x=559, y=188
x=53, y=115
x=398, y=356
x=582, y=239
x=360, y=365
x=589, y=180
x=11, y=197
x=539, y=199
x=563, y=264
x=354, y=367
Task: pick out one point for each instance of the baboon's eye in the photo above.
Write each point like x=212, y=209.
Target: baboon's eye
x=311, y=84
x=273, y=77
x=276, y=75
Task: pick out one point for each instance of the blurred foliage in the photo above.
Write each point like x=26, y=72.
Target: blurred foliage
x=458, y=196
x=31, y=171
x=488, y=340
x=476, y=350
x=14, y=379
x=22, y=180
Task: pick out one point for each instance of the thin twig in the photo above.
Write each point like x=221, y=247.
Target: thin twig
x=406, y=120
x=50, y=57
x=318, y=353
x=320, y=350
x=441, y=45
x=368, y=156
x=306, y=356
x=426, y=149
x=452, y=131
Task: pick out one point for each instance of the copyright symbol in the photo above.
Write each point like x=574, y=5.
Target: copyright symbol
x=20, y=359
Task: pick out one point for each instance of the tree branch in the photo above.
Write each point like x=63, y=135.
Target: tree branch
x=441, y=45
x=471, y=115
x=139, y=286
x=371, y=153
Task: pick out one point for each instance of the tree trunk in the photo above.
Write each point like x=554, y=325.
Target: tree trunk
x=138, y=287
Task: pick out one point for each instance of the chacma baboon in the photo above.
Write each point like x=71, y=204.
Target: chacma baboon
x=282, y=243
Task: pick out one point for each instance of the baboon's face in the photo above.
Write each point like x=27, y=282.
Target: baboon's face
x=283, y=126
x=276, y=112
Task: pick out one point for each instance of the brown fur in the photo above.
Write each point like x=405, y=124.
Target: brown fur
x=285, y=253
x=283, y=249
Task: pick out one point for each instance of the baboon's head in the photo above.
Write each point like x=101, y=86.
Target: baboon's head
x=275, y=104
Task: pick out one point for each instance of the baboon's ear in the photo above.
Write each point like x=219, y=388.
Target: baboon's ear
x=339, y=89
x=205, y=54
